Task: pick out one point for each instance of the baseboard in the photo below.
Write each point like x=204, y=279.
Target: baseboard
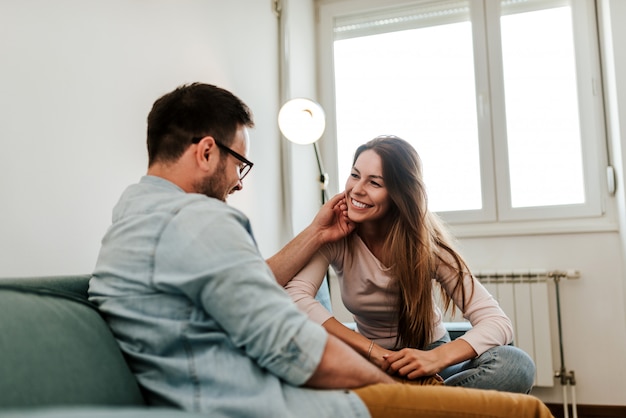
x=589, y=411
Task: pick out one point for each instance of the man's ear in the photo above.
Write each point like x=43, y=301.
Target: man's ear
x=205, y=151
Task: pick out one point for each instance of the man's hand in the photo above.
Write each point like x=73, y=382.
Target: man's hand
x=330, y=224
x=341, y=367
x=332, y=219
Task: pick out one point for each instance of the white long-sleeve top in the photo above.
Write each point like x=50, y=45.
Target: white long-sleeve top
x=367, y=294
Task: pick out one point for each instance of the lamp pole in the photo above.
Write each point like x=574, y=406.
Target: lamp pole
x=323, y=174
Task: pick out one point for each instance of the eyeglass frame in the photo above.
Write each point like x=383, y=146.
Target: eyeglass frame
x=247, y=164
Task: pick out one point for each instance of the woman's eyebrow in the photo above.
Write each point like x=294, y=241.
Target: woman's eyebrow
x=372, y=176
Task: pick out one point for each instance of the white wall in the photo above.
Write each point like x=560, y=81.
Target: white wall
x=77, y=80
x=302, y=185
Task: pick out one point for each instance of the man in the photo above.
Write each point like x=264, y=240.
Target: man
x=198, y=312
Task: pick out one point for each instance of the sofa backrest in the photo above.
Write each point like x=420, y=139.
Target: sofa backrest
x=55, y=349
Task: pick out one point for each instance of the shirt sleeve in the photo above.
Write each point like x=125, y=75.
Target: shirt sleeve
x=210, y=256
x=304, y=286
x=491, y=327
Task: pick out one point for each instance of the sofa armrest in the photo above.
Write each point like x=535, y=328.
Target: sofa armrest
x=57, y=350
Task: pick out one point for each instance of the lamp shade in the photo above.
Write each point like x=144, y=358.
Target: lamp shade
x=302, y=121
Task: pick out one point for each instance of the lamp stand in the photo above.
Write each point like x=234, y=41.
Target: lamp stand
x=323, y=174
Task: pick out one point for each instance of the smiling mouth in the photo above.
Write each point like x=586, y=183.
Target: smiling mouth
x=360, y=205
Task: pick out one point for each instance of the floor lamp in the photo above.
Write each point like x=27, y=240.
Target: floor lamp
x=302, y=121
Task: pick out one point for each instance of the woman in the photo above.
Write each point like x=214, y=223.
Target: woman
x=387, y=269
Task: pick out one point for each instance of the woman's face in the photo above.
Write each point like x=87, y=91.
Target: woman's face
x=366, y=195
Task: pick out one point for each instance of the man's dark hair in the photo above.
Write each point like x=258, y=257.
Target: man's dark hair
x=190, y=111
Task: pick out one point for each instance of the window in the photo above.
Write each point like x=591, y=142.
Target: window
x=501, y=99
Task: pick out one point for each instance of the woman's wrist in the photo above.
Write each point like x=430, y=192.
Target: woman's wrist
x=376, y=354
x=452, y=353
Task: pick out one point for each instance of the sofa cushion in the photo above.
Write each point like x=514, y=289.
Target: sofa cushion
x=99, y=412
x=55, y=349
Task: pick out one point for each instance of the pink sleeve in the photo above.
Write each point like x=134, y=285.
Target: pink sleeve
x=491, y=327
x=304, y=286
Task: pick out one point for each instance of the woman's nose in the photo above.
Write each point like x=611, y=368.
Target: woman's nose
x=358, y=188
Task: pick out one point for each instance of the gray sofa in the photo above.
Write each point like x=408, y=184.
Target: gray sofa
x=58, y=357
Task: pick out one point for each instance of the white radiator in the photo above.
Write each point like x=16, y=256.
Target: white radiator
x=523, y=295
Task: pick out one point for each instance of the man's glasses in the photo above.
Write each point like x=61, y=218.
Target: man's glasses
x=244, y=167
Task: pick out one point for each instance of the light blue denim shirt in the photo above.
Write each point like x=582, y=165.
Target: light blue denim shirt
x=199, y=315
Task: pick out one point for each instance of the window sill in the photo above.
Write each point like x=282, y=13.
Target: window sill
x=551, y=227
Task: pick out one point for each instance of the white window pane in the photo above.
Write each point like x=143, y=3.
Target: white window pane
x=419, y=85
x=543, y=134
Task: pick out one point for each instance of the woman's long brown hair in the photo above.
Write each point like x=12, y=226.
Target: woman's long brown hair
x=414, y=243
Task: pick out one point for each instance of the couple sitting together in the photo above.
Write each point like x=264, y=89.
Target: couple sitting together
x=207, y=326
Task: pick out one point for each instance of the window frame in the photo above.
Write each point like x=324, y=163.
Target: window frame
x=497, y=216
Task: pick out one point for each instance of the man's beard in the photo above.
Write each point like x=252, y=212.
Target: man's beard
x=215, y=186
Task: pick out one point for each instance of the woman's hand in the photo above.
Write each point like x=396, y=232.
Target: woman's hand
x=412, y=363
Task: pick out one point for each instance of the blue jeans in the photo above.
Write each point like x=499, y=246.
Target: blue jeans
x=505, y=368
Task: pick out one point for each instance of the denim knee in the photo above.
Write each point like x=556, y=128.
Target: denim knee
x=505, y=368
x=519, y=366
